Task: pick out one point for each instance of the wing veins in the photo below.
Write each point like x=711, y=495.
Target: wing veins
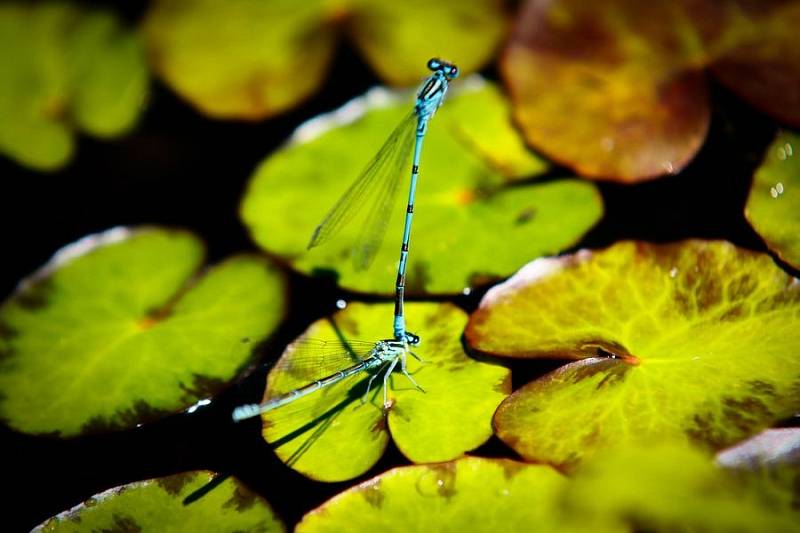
x=365, y=185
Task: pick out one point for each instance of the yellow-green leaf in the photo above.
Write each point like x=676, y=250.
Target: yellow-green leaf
x=398, y=38
x=696, y=340
x=161, y=505
x=240, y=58
x=108, y=76
x=667, y=487
x=120, y=329
x=627, y=489
x=464, y=205
x=251, y=59
x=65, y=69
x=471, y=494
x=773, y=206
x=332, y=435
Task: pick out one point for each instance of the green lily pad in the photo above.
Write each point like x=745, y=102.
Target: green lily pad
x=696, y=340
x=120, y=329
x=332, y=435
x=773, y=207
x=397, y=38
x=161, y=504
x=463, y=206
x=471, y=494
x=665, y=487
x=250, y=59
x=630, y=77
x=65, y=69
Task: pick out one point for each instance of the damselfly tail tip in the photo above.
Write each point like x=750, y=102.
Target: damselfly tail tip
x=243, y=412
x=314, y=240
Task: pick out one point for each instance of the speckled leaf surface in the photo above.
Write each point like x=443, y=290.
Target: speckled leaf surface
x=666, y=487
x=471, y=494
x=250, y=59
x=704, y=336
x=464, y=204
x=161, y=505
x=65, y=69
x=332, y=435
x=120, y=329
x=630, y=77
x=773, y=206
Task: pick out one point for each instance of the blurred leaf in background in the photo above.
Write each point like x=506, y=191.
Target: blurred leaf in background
x=65, y=69
x=773, y=206
x=668, y=487
x=121, y=328
x=474, y=221
x=630, y=77
x=696, y=340
x=252, y=59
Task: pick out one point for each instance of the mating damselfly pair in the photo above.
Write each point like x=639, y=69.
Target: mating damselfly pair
x=375, y=190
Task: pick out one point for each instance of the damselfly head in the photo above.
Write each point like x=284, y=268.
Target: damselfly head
x=448, y=69
x=411, y=339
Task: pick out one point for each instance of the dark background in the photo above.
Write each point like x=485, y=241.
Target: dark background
x=181, y=169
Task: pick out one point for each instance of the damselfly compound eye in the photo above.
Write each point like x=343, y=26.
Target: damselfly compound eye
x=434, y=64
x=452, y=72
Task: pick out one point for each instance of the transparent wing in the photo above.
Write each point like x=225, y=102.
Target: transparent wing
x=380, y=209
x=294, y=429
x=298, y=426
x=373, y=190
x=307, y=360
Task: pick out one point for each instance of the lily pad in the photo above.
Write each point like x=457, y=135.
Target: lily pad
x=65, y=69
x=120, y=329
x=635, y=113
x=464, y=205
x=672, y=488
x=630, y=77
x=765, y=69
x=696, y=340
x=773, y=207
x=333, y=435
x=471, y=494
x=161, y=504
x=250, y=59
